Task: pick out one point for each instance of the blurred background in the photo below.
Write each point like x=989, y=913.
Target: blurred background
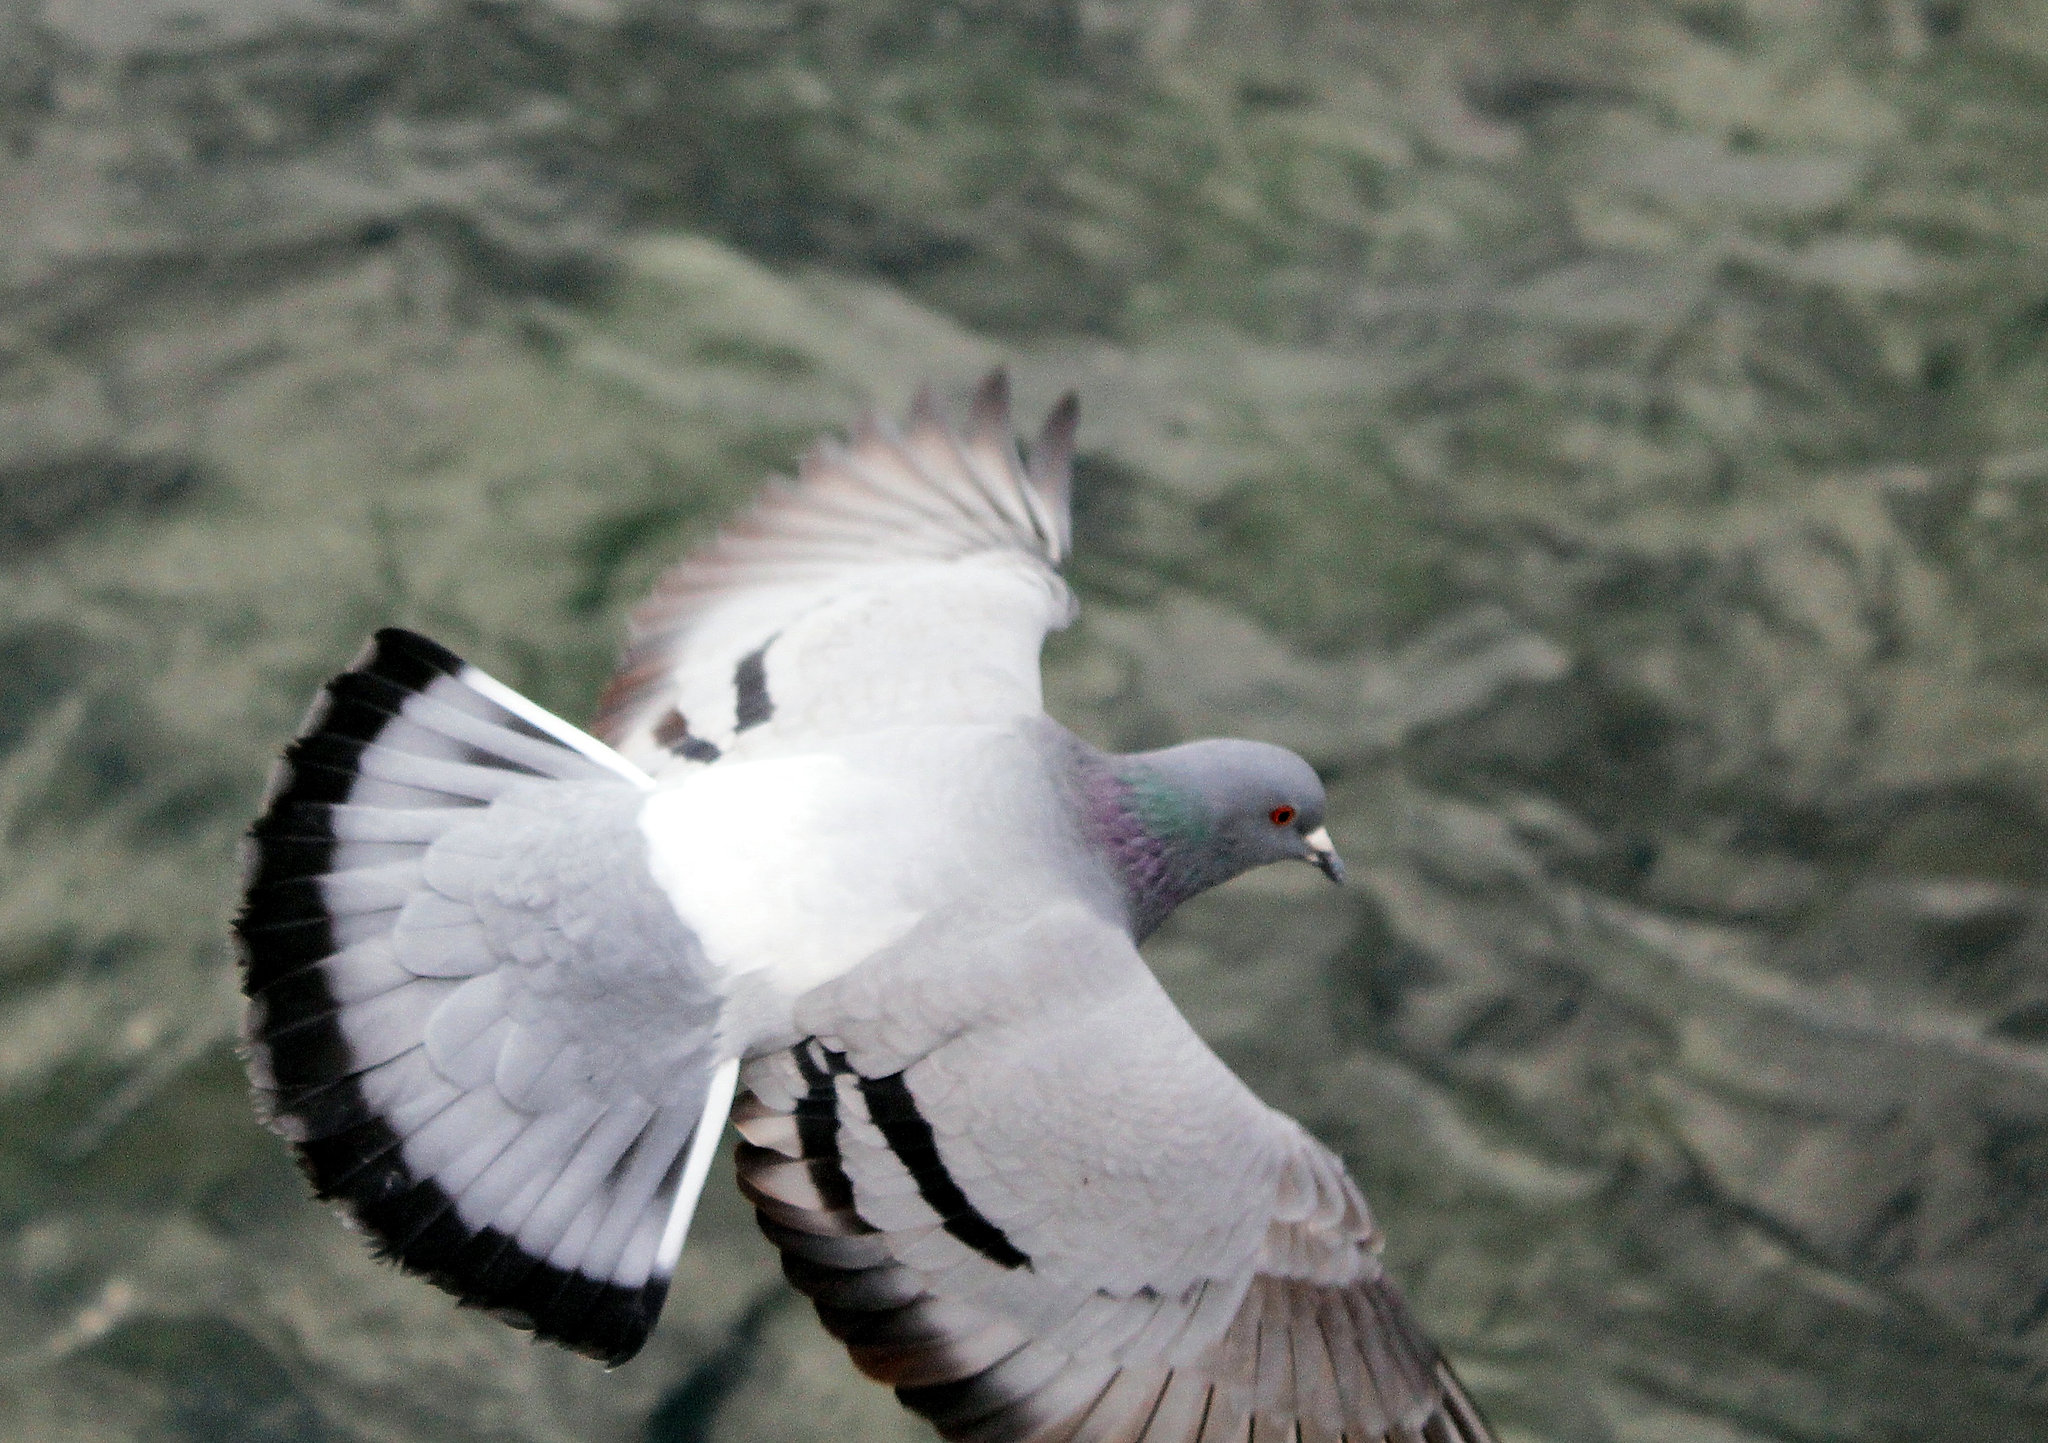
x=1609, y=437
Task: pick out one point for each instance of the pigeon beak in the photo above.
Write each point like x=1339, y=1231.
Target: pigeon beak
x=1322, y=854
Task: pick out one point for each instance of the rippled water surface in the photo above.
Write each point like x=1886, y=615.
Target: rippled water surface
x=1610, y=439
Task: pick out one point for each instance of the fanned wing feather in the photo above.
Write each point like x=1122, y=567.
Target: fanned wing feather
x=906, y=575
x=1059, y=1216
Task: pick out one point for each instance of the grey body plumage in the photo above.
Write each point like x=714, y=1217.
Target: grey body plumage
x=831, y=868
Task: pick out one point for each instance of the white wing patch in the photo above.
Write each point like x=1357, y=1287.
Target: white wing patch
x=784, y=868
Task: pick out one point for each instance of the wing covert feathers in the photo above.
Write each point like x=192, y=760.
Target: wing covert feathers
x=407, y=851
x=926, y=555
x=1225, y=1361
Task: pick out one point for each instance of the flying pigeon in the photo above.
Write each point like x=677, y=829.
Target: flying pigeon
x=832, y=872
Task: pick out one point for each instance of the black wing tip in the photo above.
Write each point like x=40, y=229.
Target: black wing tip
x=485, y=1270
x=404, y=658
x=310, y=1093
x=276, y=932
x=389, y=642
x=604, y=1321
x=350, y=709
x=353, y=1159
x=291, y=838
x=416, y=1225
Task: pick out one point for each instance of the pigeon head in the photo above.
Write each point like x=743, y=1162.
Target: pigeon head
x=1179, y=821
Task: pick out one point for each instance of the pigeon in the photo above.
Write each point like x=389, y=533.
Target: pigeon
x=828, y=870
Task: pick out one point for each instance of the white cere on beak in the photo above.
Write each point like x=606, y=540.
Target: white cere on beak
x=1322, y=854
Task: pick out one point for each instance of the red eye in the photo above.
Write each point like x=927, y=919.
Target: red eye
x=1281, y=815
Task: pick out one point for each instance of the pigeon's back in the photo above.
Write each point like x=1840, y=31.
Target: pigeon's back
x=505, y=980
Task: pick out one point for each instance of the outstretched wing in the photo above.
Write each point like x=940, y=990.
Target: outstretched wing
x=1053, y=1213
x=906, y=575
x=470, y=1009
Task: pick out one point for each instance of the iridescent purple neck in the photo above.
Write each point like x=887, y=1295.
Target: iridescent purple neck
x=1156, y=838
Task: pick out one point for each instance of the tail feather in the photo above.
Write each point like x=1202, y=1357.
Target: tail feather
x=481, y=1151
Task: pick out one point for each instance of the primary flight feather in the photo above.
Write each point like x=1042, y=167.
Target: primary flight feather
x=832, y=871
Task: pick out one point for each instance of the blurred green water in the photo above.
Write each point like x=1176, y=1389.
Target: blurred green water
x=1608, y=438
